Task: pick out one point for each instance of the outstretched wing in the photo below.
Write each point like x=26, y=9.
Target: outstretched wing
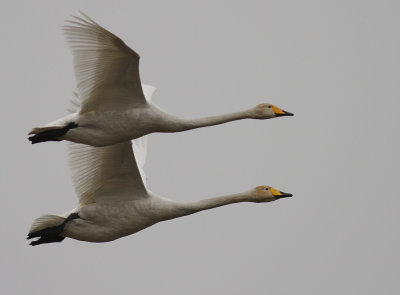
x=103, y=174
x=106, y=69
x=111, y=173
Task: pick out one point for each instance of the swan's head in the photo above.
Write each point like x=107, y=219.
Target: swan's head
x=267, y=111
x=265, y=193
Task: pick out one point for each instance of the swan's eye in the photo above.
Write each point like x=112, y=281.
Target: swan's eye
x=267, y=188
x=269, y=107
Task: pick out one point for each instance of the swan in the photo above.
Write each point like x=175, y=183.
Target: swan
x=114, y=201
x=113, y=197
x=114, y=108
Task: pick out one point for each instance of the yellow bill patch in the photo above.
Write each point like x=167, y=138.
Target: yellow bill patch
x=275, y=192
x=278, y=111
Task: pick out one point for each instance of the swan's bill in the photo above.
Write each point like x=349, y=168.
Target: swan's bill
x=279, y=112
x=278, y=194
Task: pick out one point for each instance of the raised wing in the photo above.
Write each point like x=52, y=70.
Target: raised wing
x=104, y=174
x=111, y=173
x=107, y=71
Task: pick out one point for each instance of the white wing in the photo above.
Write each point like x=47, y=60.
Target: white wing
x=107, y=71
x=102, y=174
x=110, y=173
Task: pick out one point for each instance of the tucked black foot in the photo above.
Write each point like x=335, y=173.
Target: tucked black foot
x=50, y=234
x=47, y=235
x=52, y=134
x=47, y=239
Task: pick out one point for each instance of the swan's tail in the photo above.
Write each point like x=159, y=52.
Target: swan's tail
x=48, y=229
x=51, y=133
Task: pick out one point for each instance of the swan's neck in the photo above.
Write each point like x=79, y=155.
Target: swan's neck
x=182, y=125
x=177, y=209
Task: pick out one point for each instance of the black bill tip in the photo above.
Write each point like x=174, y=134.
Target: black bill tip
x=283, y=195
x=285, y=114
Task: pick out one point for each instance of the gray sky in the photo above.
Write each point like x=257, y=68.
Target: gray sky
x=335, y=64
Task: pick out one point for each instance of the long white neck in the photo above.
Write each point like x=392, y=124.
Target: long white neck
x=214, y=120
x=175, y=124
x=177, y=209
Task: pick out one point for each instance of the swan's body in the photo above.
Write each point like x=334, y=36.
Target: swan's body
x=114, y=108
x=113, y=199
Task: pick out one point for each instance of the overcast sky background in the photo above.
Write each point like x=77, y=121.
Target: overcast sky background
x=335, y=64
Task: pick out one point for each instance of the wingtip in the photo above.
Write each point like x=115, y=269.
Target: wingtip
x=87, y=17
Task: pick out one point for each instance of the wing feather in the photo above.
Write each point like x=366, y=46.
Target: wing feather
x=106, y=69
x=105, y=173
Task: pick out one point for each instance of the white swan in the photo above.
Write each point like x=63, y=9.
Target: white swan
x=114, y=201
x=114, y=108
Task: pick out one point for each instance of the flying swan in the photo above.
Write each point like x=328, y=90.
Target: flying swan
x=114, y=108
x=113, y=199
